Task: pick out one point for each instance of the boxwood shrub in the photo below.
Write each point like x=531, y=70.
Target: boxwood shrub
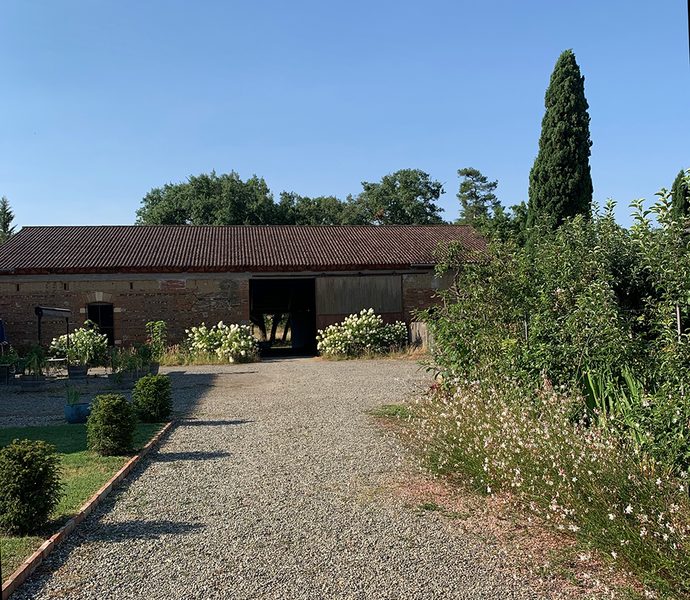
x=111, y=425
x=30, y=486
x=153, y=398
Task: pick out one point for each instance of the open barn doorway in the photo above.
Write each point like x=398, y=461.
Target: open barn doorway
x=283, y=314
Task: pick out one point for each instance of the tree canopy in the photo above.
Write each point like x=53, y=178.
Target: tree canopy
x=294, y=209
x=210, y=200
x=405, y=197
x=476, y=196
x=560, y=182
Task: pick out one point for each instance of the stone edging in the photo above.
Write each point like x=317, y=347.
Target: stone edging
x=30, y=564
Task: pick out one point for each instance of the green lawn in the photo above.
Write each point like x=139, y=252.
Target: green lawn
x=83, y=474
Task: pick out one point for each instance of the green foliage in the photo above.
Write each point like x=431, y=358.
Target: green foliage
x=361, y=334
x=680, y=195
x=590, y=302
x=157, y=336
x=111, y=425
x=567, y=380
x=30, y=485
x=302, y=210
x=476, y=197
x=35, y=359
x=393, y=411
x=9, y=357
x=73, y=395
x=6, y=218
x=560, y=183
x=87, y=346
x=405, y=197
x=209, y=200
x=152, y=398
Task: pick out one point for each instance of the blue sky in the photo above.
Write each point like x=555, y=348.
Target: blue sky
x=102, y=101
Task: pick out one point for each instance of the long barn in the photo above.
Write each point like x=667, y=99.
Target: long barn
x=121, y=277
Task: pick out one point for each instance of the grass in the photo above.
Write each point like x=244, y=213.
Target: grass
x=83, y=474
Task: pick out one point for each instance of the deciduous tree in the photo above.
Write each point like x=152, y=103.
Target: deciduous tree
x=302, y=210
x=406, y=197
x=210, y=200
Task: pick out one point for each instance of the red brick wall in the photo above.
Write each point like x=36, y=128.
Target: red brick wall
x=182, y=303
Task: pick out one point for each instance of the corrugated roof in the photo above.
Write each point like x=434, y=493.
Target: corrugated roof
x=171, y=248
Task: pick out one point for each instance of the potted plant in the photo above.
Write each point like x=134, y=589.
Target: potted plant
x=87, y=347
x=157, y=332
x=75, y=411
x=123, y=364
x=34, y=362
x=142, y=360
x=9, y=362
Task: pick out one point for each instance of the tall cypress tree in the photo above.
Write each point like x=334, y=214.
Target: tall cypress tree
x=560, y=182
x=679, y=198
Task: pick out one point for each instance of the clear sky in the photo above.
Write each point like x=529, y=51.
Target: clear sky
x=102, y=101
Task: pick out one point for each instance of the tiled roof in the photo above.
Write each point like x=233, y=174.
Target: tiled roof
x=168, y=248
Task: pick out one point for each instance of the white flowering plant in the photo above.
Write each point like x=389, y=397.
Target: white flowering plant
x=234, y=343
x=360, y=334
x=87, y=346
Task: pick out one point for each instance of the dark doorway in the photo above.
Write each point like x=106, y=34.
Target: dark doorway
x=102, y=315
x=284, y=311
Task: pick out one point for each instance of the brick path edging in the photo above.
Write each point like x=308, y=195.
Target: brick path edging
x=30, y=564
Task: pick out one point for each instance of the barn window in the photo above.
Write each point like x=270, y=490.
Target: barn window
x=65, y=286
x=102, y=314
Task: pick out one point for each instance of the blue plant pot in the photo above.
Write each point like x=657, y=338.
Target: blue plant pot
x=77, y=413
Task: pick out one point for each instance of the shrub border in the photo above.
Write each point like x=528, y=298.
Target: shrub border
x=30, y=564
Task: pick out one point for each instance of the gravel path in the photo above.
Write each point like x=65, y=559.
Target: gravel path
x=276, y=484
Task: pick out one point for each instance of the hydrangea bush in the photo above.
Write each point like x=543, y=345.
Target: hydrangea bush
x=360, y=334
x=87, y=346
x=235, y=343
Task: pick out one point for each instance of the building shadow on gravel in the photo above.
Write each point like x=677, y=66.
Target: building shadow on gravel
x=177, y=456
x=192, y=423
x=139, y=529
x=188, y=390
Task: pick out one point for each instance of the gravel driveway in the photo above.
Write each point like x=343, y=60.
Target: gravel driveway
x=276, y=484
